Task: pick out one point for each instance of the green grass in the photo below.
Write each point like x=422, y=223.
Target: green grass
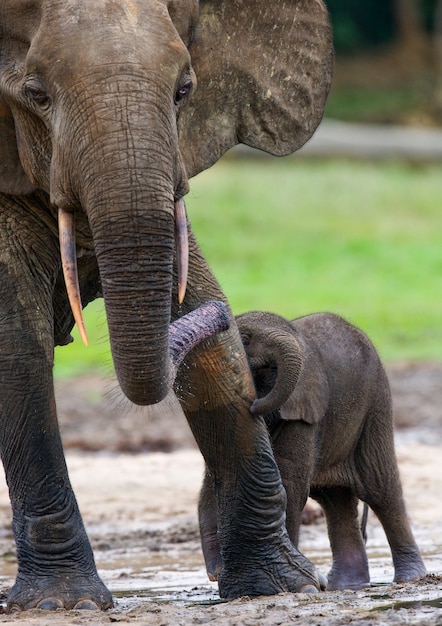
x=363, y=240
x=75, y=358
x=376, y=104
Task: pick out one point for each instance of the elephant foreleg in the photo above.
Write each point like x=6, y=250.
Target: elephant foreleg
x=56, y=567
x=55, y=562
x=294, y=447
x=208, y=523
x=350, y=565
x=216, y=389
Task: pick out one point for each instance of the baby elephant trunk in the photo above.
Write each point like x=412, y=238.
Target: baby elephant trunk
x=274, y=347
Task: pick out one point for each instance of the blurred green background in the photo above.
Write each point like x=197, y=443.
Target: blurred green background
x=388, y=61
x=359, y=238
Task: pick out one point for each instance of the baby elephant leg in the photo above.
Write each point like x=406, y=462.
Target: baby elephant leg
x=407, y=561
x=388, y=504
x=208, y=523
x=381, y=489
x=350, y=564
x=294, y=449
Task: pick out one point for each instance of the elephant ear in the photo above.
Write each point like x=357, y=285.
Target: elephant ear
x=13, y=179
x=263, y=70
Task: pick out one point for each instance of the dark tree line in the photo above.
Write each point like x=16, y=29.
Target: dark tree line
x=363, y=24
x=413, y=28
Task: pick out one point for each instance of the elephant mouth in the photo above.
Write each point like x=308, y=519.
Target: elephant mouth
x=66, y=227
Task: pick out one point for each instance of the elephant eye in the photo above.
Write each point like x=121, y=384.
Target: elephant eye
x=245, y=339
x=183, y=92
x=37, y=94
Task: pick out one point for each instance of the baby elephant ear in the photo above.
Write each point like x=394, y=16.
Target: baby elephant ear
x=13, y=179
x=263, y=69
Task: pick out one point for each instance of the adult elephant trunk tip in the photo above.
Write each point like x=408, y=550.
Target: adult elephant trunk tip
x=186, y=333
x=190, y=330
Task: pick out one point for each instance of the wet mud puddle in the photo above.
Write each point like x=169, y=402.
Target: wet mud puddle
x=435, y=603
x=168, y=580
x=164, y=564
x=178, y=575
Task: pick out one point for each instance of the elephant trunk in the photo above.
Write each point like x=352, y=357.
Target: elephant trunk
x=136, y=282
x=129, y=179
x=129, y=183
x=136, y=278
x=188, y=331
x=282, y=349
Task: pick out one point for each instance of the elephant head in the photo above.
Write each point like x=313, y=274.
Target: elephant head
x=275, y=354
x=108, y=107
x=286, y=367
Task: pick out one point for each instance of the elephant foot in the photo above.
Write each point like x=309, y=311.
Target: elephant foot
x=349, y=572
x=408, y=565
x=214, y=568
x=50, y=593
x=212, y=555
x=349, y=581
x=289, y=571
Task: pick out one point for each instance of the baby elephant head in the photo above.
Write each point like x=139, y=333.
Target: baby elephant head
x=275, y=355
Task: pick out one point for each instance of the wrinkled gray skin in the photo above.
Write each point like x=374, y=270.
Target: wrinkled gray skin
x=326, y=401
x=101, y=116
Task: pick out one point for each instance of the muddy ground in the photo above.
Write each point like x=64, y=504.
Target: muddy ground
x=137, y=472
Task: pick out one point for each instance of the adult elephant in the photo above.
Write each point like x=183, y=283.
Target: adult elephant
x=101, y=123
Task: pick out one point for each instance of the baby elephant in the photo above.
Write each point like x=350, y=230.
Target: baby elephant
x=326, y=401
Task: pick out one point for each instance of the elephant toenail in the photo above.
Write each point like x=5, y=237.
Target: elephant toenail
x=323, y=581
x=50, y=604
x=308, y=589
x=86, y=605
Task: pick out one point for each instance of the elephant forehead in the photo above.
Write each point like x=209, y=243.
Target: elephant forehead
x=134, y=12
x=131, y=8
x=75, y=36
x=75, y=10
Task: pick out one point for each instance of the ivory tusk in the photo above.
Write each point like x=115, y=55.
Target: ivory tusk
x=182, y=247
x=66, y=229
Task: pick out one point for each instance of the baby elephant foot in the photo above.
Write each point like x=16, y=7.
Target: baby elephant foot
x=349, y=571
x=212, y=555
x=347, y=581
x=408, y=565
x=52, y=593
x=213, y=571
